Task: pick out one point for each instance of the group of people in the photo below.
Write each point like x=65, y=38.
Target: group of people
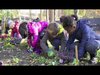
x=61, y=35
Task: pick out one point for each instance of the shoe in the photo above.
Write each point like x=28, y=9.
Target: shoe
x=62, y=61
x=94, y=61
x=38, y=51
x=30, y=50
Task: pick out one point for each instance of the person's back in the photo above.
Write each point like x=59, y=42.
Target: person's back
x=84, y=28
x=55, y=35
x=15, y=30
x=35, y=29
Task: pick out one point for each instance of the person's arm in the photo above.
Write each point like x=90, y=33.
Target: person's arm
x=29, y=40
x=12, y=33
x=44, y=24
x=70, y=41
x=43, y=42
x=63, y=42
x=29, y=30
x=18, y=34
x=35, y=37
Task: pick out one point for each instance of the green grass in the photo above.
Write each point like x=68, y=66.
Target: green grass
x=35, y=59
x=41, y=60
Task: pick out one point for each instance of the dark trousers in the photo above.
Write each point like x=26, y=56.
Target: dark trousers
x=6, y=31
x=91, y=46
x=56, y=43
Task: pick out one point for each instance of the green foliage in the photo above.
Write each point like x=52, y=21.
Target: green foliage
x=51, y=53
x=82, y=13
x=98, y=55
x=75, y=62
x=41, y=60
x=33, y=55
x=8, y=45
x=68, y=12
x=15, y=60
x=8, y=13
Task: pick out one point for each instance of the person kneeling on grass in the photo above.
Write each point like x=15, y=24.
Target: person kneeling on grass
x=36, y=31
x=56, y=36
x=15, y=35
x=89, y=41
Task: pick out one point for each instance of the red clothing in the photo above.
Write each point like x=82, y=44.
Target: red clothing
x=15, y=30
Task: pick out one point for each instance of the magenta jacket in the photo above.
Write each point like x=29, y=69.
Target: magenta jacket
x=34, y=28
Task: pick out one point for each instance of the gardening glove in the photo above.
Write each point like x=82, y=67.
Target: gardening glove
x=30, y=49
x=75, y=62
x=50, y=53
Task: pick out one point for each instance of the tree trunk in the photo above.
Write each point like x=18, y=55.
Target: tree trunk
x=51, y=15
x=54, y=15
x=41, y=14
x=76, y=12
x=62, y=12
x=47, y=15
x=57, y=14
x=30, y=13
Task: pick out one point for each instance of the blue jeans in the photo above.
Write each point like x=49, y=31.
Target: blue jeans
x=91, y=46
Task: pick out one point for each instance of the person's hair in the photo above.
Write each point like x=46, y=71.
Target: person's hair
x=61, y=18
x=22, y=29
x=68, y=21
x=75, y=17
x=54, y=27
x=36, y=20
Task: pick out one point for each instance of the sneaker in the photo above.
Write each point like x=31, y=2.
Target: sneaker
x=38, y=51
x=62, y=61
x=30, y=50
x=94, y=61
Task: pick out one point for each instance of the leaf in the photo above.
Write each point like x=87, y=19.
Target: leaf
x=16, y=60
